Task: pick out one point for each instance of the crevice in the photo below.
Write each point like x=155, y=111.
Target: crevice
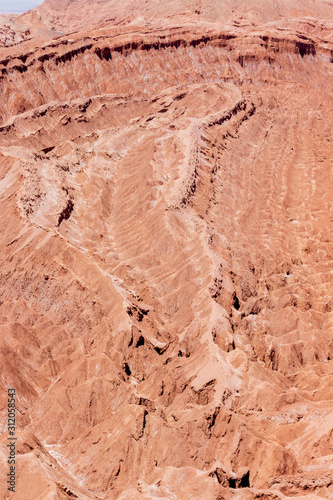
x=127, y=370
x=47, y=150
x=137, y=312
x=160, y=350
x=235, y=301
x=140, y=341
x=66, y=213
x=67, y=491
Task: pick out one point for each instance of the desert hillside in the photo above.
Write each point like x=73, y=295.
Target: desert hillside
x=166, y=250
x=72, y=15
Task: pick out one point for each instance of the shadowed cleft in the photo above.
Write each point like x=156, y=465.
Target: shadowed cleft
x=235, y=301
x=66, y=213
x=127, y=370
x=67, y=491
x=47, y=150
x=137, y=312
x=228, y=480
x=141, y=341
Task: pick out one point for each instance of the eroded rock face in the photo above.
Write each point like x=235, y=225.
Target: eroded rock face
x=166, y=261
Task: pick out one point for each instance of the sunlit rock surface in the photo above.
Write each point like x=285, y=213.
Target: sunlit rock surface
x=166, y=251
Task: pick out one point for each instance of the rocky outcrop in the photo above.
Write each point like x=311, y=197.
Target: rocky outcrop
x=69, y=69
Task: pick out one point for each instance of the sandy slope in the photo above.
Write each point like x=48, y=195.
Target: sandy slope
x=72, y=14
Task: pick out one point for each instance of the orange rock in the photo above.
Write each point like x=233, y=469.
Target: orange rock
x=166, y=250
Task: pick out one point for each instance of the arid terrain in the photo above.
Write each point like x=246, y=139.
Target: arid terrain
x=166, y=249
